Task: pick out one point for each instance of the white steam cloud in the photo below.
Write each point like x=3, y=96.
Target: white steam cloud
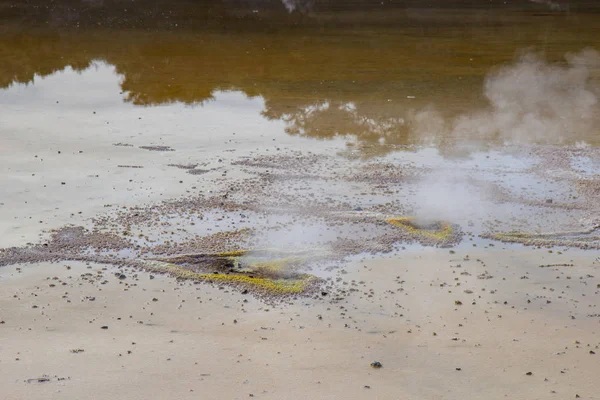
x=448, y=195
x=290, y=5
x=530, y=101
x=553, y=5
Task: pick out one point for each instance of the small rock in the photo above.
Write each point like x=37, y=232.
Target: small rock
x=376, y=365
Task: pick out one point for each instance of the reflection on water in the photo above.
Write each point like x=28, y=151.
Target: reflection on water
x=366, y=76
x=87, y=109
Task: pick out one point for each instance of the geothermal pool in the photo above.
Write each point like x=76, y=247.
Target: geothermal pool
x=267, y=198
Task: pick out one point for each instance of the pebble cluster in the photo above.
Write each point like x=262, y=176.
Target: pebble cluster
x=283, y=193
x=157, y=148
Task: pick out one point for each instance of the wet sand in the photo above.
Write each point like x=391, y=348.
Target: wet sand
x=178, y=339
x=468, y=321
x=479, y=319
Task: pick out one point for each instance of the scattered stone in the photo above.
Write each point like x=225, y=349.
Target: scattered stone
x=157, y=148
x=196, y=171
x=183, y=166
x=42, y=379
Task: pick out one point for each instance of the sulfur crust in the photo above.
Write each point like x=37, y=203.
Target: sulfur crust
x=407, y=223
x=513, y=236
x=297, y=285
x=234, y=253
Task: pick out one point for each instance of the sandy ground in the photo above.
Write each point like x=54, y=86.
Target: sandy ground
x=492, y=325
x=485, y=322
x=168, y=339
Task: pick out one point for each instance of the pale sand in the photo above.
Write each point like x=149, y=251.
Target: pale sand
x=188, y=346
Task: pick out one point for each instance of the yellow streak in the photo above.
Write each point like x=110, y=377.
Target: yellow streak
x=407, y=224
x=268, y=285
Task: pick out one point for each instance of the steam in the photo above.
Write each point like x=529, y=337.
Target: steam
x=448, y=196
x=530, y=101
x=551, y=4
x=293, y=5
x=298, y=5
x=294, y=236
x=291, y=242
x=290, y=5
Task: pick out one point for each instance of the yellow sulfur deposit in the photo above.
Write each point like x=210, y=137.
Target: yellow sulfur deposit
x=253, y=273
x=439, y=231
x=513, y=236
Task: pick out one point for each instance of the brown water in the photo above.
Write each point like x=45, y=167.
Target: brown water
x=358, y=73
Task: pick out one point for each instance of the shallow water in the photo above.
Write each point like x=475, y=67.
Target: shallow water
x=197, y=72
x=88, y=91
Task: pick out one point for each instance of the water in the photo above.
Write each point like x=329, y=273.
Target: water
x=356, y=73
x=86, y=87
